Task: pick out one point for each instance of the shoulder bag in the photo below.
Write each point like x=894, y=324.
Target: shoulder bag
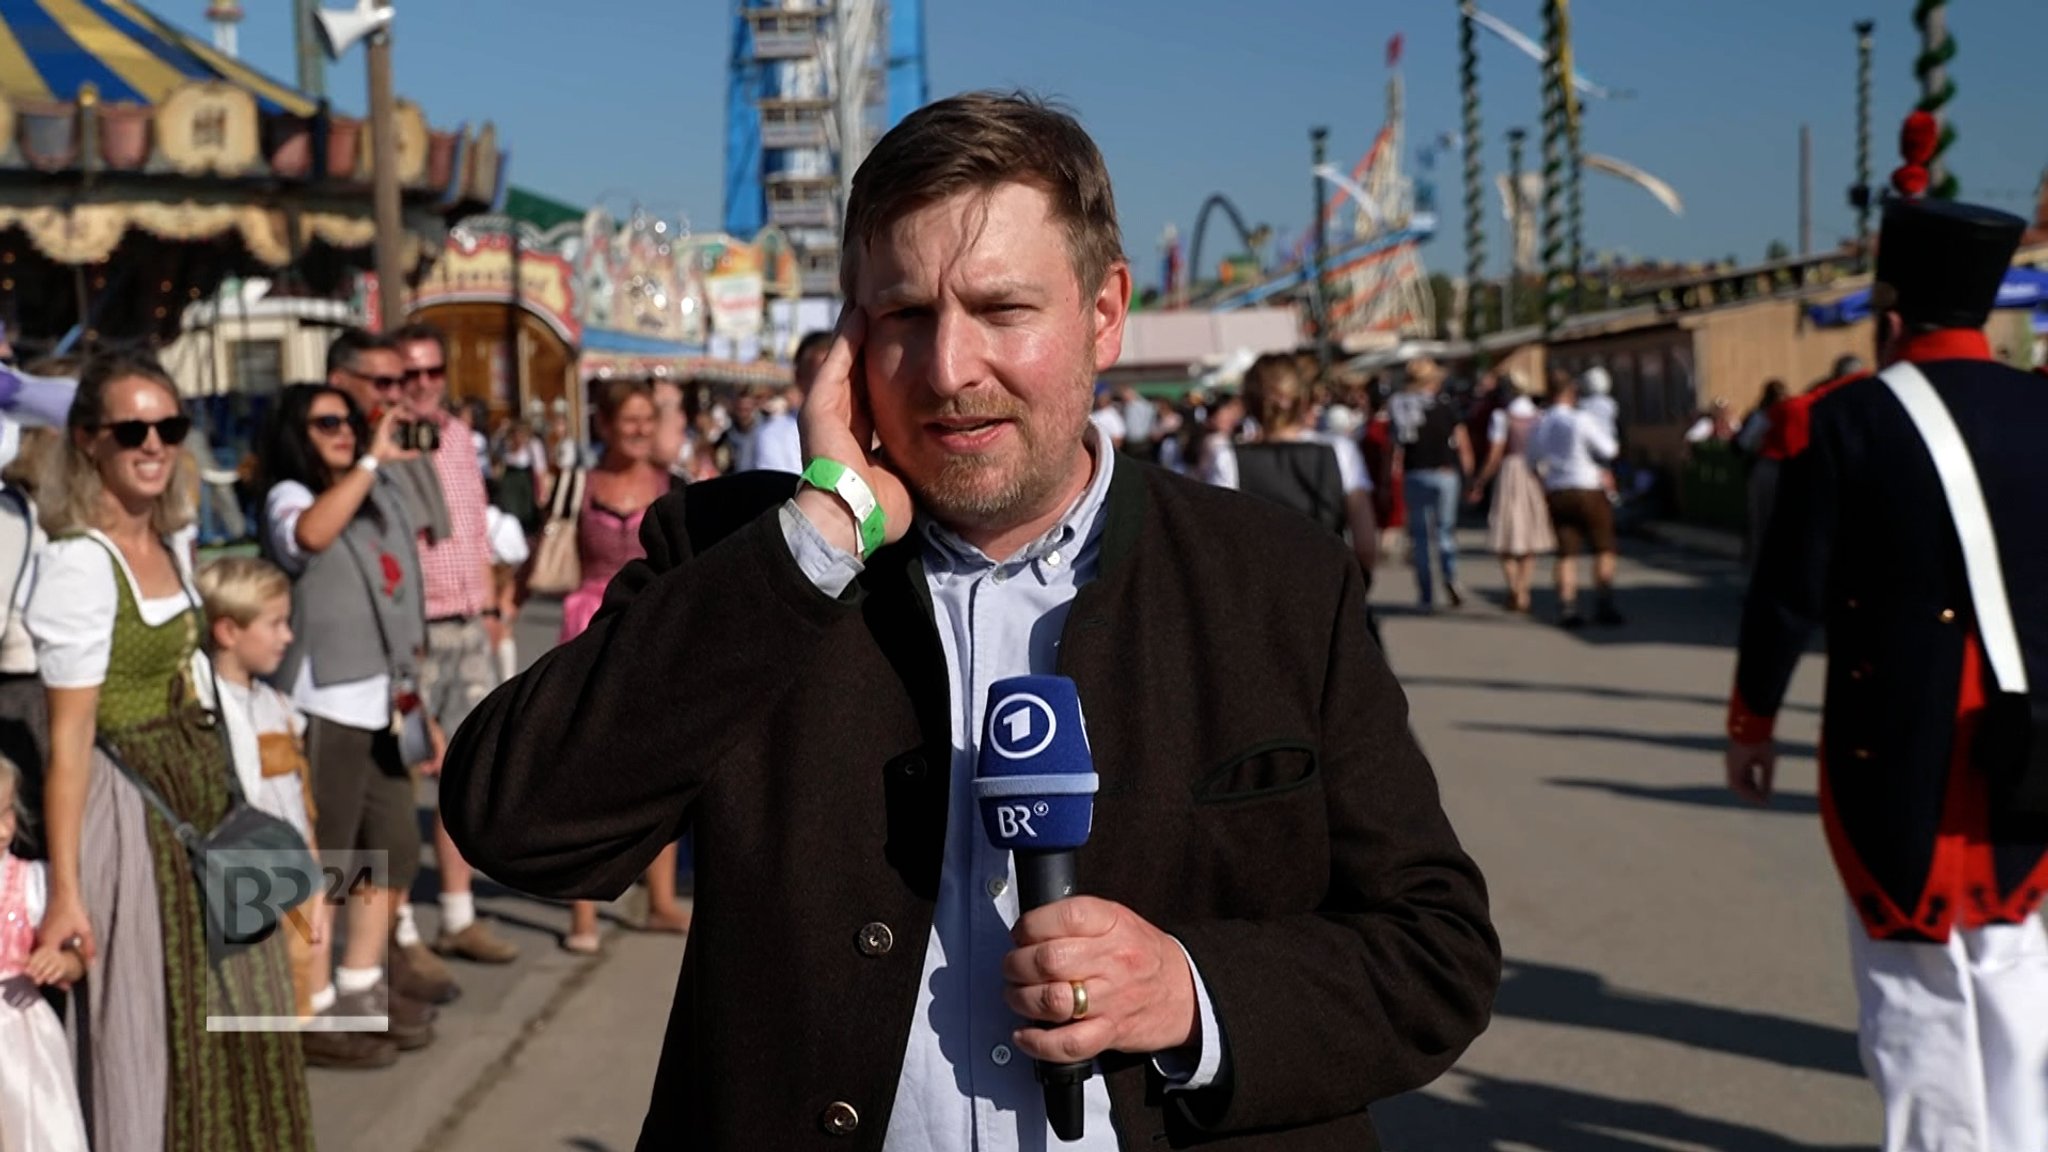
x=557, y=565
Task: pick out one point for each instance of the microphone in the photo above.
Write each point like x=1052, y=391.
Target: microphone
x=1035, y=785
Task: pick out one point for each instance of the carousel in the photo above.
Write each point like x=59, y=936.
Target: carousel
x=140, y=167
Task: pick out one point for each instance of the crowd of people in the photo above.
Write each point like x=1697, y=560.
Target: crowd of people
x=319, y=681
x=144, y=694
x=1397, y=458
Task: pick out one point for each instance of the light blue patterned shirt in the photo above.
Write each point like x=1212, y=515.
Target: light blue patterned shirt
x=963, y=1085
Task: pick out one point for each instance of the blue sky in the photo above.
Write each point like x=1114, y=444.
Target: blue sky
x=624, y=99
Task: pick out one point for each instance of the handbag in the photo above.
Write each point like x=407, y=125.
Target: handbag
x=2011, y=744
x=251, y=867
x=557, y=565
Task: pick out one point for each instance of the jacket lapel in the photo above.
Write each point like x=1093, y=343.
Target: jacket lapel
x=917, y=785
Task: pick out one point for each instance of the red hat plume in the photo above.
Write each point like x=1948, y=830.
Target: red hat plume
x=1918, y=139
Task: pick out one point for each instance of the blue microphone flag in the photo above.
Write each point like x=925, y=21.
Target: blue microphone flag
x=1035, y=780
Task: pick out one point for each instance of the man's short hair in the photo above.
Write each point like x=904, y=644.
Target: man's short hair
x=419, y=332
x=976, y=142
x=817, y=343
x=350, y=344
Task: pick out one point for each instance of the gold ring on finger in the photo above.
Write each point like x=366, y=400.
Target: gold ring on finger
x=1080, y=999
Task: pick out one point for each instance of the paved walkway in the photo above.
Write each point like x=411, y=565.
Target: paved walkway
x=1675, y=961
x=1676, y=970
x=504, y=1014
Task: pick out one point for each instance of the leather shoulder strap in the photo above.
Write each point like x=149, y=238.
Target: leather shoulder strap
x=1973, y=522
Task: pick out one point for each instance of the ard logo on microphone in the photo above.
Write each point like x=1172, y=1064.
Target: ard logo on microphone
x=1024, y=726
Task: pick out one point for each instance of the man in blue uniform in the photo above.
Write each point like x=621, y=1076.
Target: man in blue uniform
x=1928, y=760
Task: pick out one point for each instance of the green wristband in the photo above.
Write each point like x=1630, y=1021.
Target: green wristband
x=843, y=482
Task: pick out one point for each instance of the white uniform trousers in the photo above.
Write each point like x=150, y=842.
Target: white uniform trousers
x=1955, y=1037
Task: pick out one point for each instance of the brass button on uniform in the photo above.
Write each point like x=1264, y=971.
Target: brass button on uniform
x=1863, y=753
x=1948, y=615
x=875, y=940
x=840, y=1119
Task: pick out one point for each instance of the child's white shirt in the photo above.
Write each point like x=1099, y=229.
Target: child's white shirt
x=251, y=713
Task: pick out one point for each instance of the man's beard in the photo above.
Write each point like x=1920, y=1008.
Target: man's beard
x=964, y=493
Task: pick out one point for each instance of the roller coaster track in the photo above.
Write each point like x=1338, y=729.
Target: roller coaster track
x=1218, y=200
x=1342, y=261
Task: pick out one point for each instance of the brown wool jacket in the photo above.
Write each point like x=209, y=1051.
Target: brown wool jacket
x=1262, y=799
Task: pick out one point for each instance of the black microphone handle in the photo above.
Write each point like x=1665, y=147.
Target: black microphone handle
x=1047, y=878
x=1044, y=877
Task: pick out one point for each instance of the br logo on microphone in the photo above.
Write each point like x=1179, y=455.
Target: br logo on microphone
x=1023, y=726
x=1015, y=819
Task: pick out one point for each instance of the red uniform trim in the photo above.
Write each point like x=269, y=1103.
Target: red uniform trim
x=1944, y=344
x=1791, y=418
x=1745, y=726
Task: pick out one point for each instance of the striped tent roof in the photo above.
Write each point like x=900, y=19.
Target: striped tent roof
x=50, y=48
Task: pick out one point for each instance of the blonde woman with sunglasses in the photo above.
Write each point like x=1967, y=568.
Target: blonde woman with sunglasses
x=116, y=623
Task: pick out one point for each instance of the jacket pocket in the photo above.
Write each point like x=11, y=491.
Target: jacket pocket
x=1264, y=769
x=1260, y=843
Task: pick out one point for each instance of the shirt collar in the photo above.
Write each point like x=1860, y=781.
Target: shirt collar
x=1077, y=531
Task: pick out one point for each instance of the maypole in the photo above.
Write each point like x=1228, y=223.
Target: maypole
x=1575, y=155
x=1556, y=80
x=1865, y=194
x=1937, y=48
x=1517, y=221
x=1475, y=194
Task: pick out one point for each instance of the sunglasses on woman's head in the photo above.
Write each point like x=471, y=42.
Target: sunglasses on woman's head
x=171, y=430
x=328, y=424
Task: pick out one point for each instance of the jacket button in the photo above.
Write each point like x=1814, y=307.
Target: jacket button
x=911, y=767
x=840, y=1119
x=875, y=940
x=1863, y=753
x=1948, y=615
x=1851, y=604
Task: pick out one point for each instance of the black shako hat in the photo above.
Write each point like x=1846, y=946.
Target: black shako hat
x=1939, y=262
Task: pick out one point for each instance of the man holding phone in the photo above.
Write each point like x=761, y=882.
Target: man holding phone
x=1281, y=929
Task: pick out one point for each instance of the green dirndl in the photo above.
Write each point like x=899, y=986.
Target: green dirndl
x=228, y=1091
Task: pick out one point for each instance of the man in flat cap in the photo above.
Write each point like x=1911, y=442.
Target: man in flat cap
x=1908, y=525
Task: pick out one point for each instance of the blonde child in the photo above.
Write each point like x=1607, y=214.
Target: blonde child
x=248, y=606
x=38, y=1094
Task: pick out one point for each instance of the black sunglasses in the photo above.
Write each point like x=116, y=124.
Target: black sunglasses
x=171, y=430
x=431, y=372
x=328, y=424
x=378, y=382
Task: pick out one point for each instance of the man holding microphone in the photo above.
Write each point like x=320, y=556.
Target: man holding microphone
x=1280, y=927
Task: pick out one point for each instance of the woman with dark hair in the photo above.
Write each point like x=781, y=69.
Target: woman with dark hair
x=610, y=501
x=116, y=623
x=337, y=525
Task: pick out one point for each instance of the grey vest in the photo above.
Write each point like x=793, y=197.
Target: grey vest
x=419, y=486
x=358, y=608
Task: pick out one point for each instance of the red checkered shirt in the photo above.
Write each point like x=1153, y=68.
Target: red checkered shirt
x=457, y=570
